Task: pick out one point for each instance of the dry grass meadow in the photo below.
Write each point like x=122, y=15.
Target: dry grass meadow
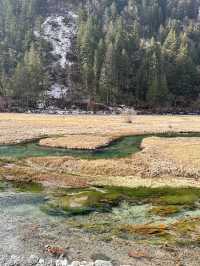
x=162, y=161
x=15, y=128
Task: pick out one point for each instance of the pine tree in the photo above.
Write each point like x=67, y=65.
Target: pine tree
x=171, y=43
x=107, y=79
x=29, y=79
x=98, y=63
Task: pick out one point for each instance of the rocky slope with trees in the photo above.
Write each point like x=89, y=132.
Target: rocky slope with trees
x=140, y=53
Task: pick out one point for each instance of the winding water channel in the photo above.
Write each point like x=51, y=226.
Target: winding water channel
x=122, y=147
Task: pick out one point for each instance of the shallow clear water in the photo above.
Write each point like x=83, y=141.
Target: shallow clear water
x=123, y=147
x=101, y=211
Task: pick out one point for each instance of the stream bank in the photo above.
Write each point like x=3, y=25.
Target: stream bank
x=118, y=148
x=153, y=160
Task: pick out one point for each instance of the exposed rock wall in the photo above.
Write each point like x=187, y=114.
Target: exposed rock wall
x=59, y=30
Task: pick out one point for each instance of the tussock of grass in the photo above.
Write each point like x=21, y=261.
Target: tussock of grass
x=88, y=142
x=164, y=210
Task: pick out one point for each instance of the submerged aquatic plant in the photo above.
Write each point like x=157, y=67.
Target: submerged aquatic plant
x=180, y=199
x=81, y=202
x=164, y=211
x=28, y=187
x=136, y=214
x=128, y=213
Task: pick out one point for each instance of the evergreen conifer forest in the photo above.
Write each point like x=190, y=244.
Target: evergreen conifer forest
x=142, y=53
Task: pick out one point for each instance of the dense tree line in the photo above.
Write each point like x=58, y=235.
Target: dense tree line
x=21, y=55
x=142, y=52
x=137, y=52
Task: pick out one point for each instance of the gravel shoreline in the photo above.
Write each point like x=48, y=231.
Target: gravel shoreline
x=34, y=260
x=23, y=242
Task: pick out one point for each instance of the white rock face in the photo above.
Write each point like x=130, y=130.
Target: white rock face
x=59, y=31
x=102, y=263
x=57, y=91
x=199, y=14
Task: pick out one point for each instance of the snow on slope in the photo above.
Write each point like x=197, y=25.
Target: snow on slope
x=57, y=91
x=59, y=31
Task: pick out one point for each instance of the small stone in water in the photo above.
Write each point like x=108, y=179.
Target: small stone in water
x=75, y=263
x=62, y=262
x=14, y=261
x=55, y=251
x=100, y=256
x=102, y=263
x=33, y=260
x=137, y=254
x=41, y=262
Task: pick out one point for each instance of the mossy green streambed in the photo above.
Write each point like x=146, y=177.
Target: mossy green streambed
x=122, y=147
x=152, y=215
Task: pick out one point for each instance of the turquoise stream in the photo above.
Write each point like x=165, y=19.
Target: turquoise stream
x=123, y=147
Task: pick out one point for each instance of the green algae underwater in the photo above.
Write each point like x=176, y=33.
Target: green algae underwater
x=144, y=215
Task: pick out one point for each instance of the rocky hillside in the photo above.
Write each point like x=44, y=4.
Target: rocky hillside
x=38, y=57
x=59, y=29
x=140, y=53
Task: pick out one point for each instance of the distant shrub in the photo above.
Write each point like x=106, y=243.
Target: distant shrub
x=128, y=119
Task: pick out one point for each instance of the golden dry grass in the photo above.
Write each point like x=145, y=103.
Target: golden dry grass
x=70, y=172
x=160, y=157
x=88, y=142
x=16, y=128
x=185, y=150
x=163, y=161
x=172, y=156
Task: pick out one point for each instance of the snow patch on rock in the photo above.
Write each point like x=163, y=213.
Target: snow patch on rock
x=57, y=91
x=59, y=31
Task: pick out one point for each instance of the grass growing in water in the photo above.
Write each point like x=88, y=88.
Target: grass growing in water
x=28, y=187
x=165, y=201
x=124, y=212
x=187, y=199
